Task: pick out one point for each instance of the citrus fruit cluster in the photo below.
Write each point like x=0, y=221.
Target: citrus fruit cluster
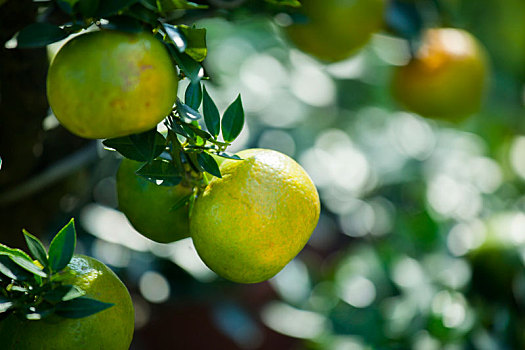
x=61, y=300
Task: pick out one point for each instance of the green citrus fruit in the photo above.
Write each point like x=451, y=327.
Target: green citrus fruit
x=108, y=84
x=335, y=29
x=447, y=77
x=108, y=329
x=247, y=225
x=148, y=206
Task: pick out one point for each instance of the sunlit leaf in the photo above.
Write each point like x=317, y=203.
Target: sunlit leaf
x=233, y=120
x=62, y=247
x=36, y=248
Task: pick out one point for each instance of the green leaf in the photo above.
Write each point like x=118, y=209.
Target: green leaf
x=39, y=35
x=229, y=156
x=36, y=248
x=144, y=14
x=123, y=24
x=5, y=305
x=233, y=120
x=209, y=164
x=176, y=36
x=142, y=147
x=80, y=307
x=291, y=3
x=112, y=7
x=62, y=247
x=5, y=250
x=187, y=112
x=193, y=95
x=198, y=131
x=88, y=8
x=181, y=202
x=149, y=4
x=28, y=265
x=0, y=162
x=165, y=6
x=212, y=117
x=161, y=170
x=63, y=293
x=191, y=68
x=195, y=42
x=12, y=270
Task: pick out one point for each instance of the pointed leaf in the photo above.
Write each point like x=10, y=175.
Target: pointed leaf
x=39, y=35
x=80, y=307
x=193, y=95
x=63, y=293
x=141, y=147
x=209, y=164
x=229, y=156
x=176, y=36
x=5, y=305
x=212, y=117
x=191, y=68
x=28, y=265
x=5, y=250
x=12, y=270
x=36, y=248
x=62, y=247
x=233, y=120
x=195, y=42
x=187, y=112
x=161, y=170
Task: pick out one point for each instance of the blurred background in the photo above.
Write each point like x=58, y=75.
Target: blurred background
x=421, y=241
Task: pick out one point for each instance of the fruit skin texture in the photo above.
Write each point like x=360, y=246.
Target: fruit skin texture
x=336, y=29
x=148, y=206
x=108, y=84
x=248, y=225
x=108, y=329
x=446, y=79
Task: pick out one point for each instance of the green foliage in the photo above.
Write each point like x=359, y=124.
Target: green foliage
x=34, y=290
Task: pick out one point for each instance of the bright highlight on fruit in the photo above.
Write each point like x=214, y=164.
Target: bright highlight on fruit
x=247, y=225
x=446, y=79
x=333, y=30
x=108, y=84
x=152, y=209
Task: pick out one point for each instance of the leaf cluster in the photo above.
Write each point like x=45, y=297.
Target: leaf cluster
x=187, y=149
x=32, y=287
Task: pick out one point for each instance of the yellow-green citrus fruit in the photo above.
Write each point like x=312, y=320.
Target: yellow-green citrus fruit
x=108, y=84
x=108, y=329
x=335, y=29
x=446, y=79
x=247, y=225
x=148, y=206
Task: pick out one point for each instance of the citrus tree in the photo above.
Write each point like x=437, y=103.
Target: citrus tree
x=418, y=243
